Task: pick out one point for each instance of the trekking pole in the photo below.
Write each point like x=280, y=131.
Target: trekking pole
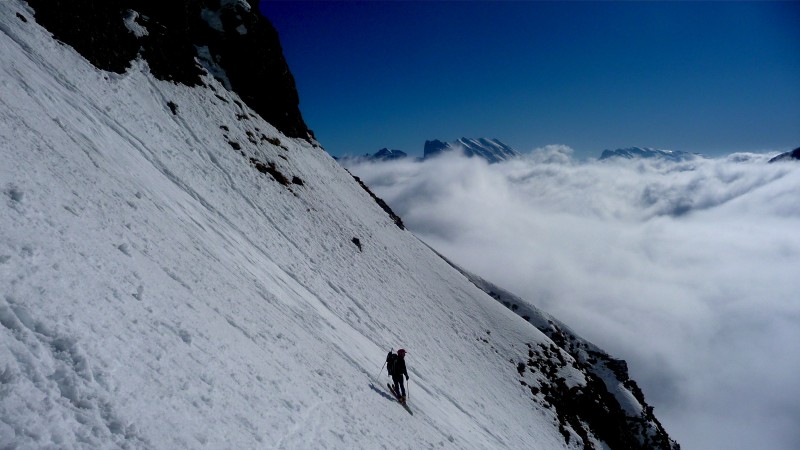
x=384, y=365
x=379, y=373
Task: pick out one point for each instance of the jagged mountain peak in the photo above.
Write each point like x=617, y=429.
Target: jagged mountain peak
x=385, y=154
x=492, y=150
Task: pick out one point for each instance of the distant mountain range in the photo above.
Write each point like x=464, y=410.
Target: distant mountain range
x=647, y=152
x=492, y=150
x=385, y=154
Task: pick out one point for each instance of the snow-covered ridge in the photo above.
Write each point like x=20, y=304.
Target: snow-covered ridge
x=492, y=150
x=177, y=273
x=647, y=152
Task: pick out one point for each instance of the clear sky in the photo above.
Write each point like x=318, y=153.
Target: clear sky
x=709, y=77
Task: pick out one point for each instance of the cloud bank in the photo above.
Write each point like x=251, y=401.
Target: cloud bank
x=687, y=270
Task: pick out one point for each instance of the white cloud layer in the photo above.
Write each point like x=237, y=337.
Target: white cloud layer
x=687, y=270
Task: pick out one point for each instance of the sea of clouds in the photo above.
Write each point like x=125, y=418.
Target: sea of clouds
x=688, y=270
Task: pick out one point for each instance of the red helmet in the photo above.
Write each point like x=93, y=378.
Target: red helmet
x=401, y=352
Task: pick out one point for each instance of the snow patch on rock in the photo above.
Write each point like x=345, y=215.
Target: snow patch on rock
x=130, y=23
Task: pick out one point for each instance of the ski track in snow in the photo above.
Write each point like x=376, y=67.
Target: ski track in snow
x=159, y=292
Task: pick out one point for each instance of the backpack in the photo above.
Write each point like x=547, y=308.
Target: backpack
x=390, y=359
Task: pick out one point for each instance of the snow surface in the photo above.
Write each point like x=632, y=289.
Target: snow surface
x=160, y=292
x=130, y=23
x=207, y=60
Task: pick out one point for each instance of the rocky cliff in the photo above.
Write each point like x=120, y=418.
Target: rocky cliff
x=180, y=39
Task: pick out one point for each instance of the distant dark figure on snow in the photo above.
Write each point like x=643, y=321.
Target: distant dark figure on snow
x=397, y=369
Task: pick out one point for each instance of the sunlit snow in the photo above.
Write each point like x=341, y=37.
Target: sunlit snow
x=158, y=291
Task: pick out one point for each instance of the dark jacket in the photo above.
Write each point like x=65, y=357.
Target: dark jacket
x=399, y=369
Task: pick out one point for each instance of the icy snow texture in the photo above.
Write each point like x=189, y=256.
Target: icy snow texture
x=157, y=291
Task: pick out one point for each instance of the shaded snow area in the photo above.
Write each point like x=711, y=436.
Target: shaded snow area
x=208, y=61
x=175, y=273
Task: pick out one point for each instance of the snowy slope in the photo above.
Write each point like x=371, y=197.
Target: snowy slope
x=176, y=273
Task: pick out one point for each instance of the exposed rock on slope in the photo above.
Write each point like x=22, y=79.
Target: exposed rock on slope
x=230, y=38
x=605, y=405
x=384, y=206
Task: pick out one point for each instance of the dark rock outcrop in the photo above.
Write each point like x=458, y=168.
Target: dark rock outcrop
x=433, y=148
x=793, y=155
x=609, y=406
x=93, y=28
x=180, y=40
x=385, y=154
x=395, y=218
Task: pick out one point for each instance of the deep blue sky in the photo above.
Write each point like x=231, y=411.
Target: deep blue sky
x=702, y=77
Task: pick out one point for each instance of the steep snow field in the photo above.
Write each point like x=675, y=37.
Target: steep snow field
x=159, y=291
